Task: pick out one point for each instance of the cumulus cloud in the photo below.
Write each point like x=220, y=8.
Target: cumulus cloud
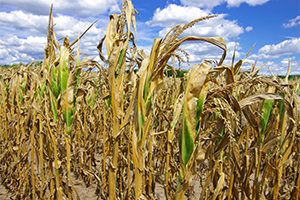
x=79, y=8
x=292, y=22
x=20, y=47
x=209, y=4
x=174, y=14
x=15, y=50
x=281, y=67
x=21, y=21
x=286, y=47
x=37, y=24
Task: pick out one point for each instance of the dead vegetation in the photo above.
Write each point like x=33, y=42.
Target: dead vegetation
x=235, y=132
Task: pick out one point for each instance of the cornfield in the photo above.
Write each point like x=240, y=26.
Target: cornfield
x=127, y=127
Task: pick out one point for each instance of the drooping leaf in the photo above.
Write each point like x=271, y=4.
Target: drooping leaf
x=197, y=78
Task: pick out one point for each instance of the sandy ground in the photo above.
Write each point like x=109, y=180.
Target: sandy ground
x=4, y=195
x=88, y=193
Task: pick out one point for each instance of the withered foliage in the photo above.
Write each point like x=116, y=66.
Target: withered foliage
x=128, y=127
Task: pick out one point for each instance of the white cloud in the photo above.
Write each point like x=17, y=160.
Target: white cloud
x=249, y=28
x=200, y=50
x=174, y=14
x=292, y=22
x=21, y=20
x=286, y=47
x=215, y=27
x=210, y=4
x=282, y=67
x=15, y=50
x=19, y=47
x=80, y=8
x=37, y=24
x=278, y=66
x=237, y=3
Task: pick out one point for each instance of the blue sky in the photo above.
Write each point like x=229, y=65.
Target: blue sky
x=272, y=25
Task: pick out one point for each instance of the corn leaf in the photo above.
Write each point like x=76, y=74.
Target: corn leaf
x=197, y=78
x=63, y=72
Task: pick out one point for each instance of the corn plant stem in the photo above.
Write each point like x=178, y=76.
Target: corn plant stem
x=5, y=120
x=129, y=158
x=2, y=133
x=220, y=168
x=298, y=181
x=84, y=139
x=79, y=144
x=18, y=143
x=150, y=190
x=7, y=136
x=41, y=150
x=257, y=172
x=221, y=162
x=32, y=156
x=168, y=163
x=120, y=175
x=24, y=152
x=138, y=166
x=90, y=153
x=56, y=165
x=144, y=181
x=68, y=147
x=278, y=175
x=283, y=132
x=113, y=168
x=231, y=180
x=104, y=148
x=50, y=167
x=58, y=195
x=5, y=127
x=137, y=182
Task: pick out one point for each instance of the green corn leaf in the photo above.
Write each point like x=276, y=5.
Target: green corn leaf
x=35, y=96
x=68, y=116
x=121, y=56
x=180, y=179
x=200, y=104
x=54, y=82
x=23, y=86
x=78, y=58
x=281, y=107
x=146, y=87
x=21, y=96
x=63, y=73
x=107, y=103
x=186, y=140
x=266, y=112
x=77, y=79
x=53, y=102
x=43, y=88
x=141, y=122
x=148, y=102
